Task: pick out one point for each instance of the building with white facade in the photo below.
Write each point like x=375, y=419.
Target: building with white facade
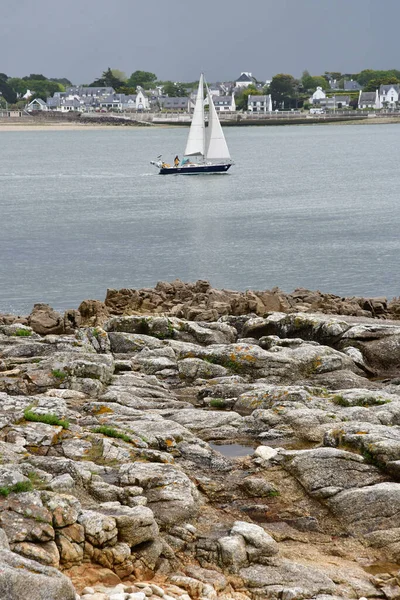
x=245, y=80
x=317, y=96
x=259, y=104
x=224, y=103
x=368, y=100
x=389, y=95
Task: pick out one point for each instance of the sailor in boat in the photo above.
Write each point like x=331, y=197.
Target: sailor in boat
x=176, y=161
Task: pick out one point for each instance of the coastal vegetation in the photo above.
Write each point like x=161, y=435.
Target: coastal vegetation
x=48, y=418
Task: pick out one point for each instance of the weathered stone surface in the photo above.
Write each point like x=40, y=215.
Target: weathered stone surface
x=23, y=578
x=325, y=472
x=93, y=313
x=274, y=579
x=100, y=530
x=45, y=553
x=64, y=508
x=24, y=518
x=260, y=542
x=135, y=525
x=170, y=494
x=44, y=320
x=370, y=508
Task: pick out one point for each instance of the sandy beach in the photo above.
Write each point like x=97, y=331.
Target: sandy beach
x=22, y=125
x=57, y=126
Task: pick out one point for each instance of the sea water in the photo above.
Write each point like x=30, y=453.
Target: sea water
x=311, y=206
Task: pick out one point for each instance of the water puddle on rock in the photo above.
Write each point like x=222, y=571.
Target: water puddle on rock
x=233, y=450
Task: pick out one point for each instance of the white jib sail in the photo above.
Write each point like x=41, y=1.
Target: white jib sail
x=196, y=139
x=216, y=147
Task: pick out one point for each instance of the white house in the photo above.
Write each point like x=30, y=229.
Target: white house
x=37, y=104
x=224, y=103
x=259, y=104
x=142, y=101
x=389, y=95
x=245, y=80
x=368, y=99
x=335, y=102
x=317, y=96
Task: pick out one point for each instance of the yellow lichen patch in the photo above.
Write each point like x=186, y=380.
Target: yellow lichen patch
x=169, y=442
x=361, y=432
x=249, y=357
x=103, y=410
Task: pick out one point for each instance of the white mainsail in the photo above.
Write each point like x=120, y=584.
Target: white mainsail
x=216, y=147
x=196, y=140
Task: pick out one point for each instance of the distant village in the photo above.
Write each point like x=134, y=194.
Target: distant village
x=246, y=94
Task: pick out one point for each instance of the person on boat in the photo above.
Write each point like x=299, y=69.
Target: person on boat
x=176, y=161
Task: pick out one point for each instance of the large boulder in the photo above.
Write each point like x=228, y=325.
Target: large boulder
x=23, y=578
x=170, y=494
x=45, y=320
x=135, y=525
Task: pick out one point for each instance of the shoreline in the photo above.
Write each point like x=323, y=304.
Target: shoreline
x=74, y=126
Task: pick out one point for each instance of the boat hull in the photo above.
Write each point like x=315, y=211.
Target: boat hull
x=195, y=169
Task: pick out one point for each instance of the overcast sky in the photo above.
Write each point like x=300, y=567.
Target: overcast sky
x=176, y=39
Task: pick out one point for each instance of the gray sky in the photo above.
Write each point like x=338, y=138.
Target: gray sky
x=176, y=39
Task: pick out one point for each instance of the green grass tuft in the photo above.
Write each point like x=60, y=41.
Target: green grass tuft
x=58, y=374
x=217, y=403
x=111, y=432
x=23, y=332
x=48, y=418
x=17, y=488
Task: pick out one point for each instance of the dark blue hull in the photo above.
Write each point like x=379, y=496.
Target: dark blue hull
x=195, y=169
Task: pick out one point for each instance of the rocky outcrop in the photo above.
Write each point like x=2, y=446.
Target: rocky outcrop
x=200, y=302
x=243, y=458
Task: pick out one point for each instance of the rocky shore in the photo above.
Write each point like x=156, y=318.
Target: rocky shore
x=188, y=443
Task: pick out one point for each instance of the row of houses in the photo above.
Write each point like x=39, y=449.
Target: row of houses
x=387, y=96
x=90, y=99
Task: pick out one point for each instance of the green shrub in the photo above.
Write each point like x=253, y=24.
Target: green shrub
x=48, y=418
x=111, y=432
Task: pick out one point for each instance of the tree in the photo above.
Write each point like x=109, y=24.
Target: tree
x=319, y=81
x=174, y=90
x=242, y=98
x=108, y=79
x=64, y=81
x=7, y=92
x=143, y=78
x=119, y=75
x=374, y=84
x=307, y=81
x=36, y=77
x=283, y=89
x=3, y=77
x=367, y=75
x=335, y=75
x=311, y=83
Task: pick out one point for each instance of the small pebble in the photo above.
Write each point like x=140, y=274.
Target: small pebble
x=137, y=596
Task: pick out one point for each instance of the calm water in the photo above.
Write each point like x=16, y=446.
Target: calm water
x=311, y=206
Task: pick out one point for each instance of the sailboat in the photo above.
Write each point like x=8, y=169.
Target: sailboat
x=206, y=148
